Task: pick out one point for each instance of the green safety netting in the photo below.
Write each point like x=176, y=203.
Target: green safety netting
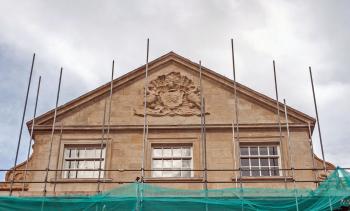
x=331, y=194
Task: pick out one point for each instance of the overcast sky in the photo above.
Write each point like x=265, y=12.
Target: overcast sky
x=84, y=36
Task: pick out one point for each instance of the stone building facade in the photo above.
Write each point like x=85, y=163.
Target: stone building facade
x=174, y=135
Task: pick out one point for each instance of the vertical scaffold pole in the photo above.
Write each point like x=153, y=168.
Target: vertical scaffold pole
x=236, y=118
x=52, y=133
x=202, y=129
x=102, y=145
x=236, y=108
x=279, y=119
x=318, y=121
x=205, y=157
x=145, y=129
x=21, y=128
x=110, y=102
x=31, y=133
x=291, y=154
x=234, y=153
x=57, y=160
x=145, y=123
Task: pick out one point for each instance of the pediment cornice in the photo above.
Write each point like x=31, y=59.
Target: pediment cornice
x=172, y=58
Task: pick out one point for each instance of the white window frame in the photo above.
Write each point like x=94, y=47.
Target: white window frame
x=258, y=156
x=73, y=173
x=166, y=146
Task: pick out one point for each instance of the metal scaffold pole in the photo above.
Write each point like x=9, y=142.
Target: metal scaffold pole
x=57, y=160
x=204, y=157
x=110, y=102
x=145, y=133
x=145, y=123
x=22, y=122
x=236, y=118
x=31, y=133
x=102, y=144
x=236, y=109
x=234, y=150
x=279, y=120
x=291, y=154
x=318, y=120
x=52, y=133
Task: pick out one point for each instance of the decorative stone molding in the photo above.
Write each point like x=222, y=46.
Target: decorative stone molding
x=171, y=95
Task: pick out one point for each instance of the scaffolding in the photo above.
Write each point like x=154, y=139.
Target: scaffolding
x=330, y=194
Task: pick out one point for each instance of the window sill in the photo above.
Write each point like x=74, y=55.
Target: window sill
x=80, y=180
x=265, y=178
x=173, y=179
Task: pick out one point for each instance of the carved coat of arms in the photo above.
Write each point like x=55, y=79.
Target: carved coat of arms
x=171, y=95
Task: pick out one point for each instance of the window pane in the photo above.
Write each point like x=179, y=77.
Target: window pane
x=65, y=174
x=253, y=150
x=265, y=172
x=186, y=163
x=177, y=164
x=157, y=164
x=157, y=173
x=81, y=165
x=275, y=171
x=157, y=152
x=89, y=164
x=81, y=153
x=167, y=152
x=245, y=172
x=98, y=153
x=176, y=174
x=273, y=161
x=73, y=165
x=73, y=153
x=255, y=172
x=186, y=174
x=72, y=174
x=254, y=162
x=244, y=151
x=263, y=150
x=264, y=162
x=244, y=162
x=186, y=151
x=167, y=164
x=176, y=152
x=90, y=153
x=171, y=173
x=66, y=153
x=65, y=164
x=97, y=164
x=273, y=150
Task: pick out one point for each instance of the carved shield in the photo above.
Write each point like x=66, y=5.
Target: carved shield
x=172, y=99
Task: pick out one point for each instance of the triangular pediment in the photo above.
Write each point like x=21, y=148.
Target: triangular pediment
x=173, y=98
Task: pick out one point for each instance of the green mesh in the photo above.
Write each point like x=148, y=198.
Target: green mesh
x=332, y=194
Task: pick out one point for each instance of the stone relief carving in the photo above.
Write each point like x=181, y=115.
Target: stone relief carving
x=171, y=95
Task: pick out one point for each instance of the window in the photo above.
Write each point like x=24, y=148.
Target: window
x=83, y=158
x=260, y=160
x=172, y=157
